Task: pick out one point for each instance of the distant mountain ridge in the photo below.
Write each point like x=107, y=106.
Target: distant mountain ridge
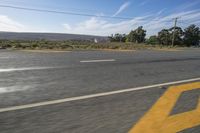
x=49, y=36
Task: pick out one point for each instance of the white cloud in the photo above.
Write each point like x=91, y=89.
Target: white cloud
x=161, y=11
x=122, y=8
x=152, y=23
x=98, y=26
x=7, y=24
x=67, y=26
x=159, y=23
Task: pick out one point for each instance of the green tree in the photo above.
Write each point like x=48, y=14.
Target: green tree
x=132, y=37
x=118, y=37
x=164, y=37
x=152, y=40
x=178, y=35
x=191, y=35
x=137, y=35
x=141, y=33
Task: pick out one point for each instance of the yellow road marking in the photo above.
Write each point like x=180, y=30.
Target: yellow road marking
x=157, y=119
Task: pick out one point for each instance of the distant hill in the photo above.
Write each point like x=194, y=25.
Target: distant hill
x=49, y=36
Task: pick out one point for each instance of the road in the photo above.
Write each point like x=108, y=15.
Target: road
x=98, y=91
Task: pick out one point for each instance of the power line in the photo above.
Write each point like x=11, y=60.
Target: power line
x=189, y=23
x=45, y=5
x=78, y=14
x=184, y=22
x=63, y=12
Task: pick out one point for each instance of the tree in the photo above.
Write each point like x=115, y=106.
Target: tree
x=137, y=35
x=178, y=35
x=164, y=37
x=191, y=35
x=118, y=38
x=132, y=37
x=152, y=40
x=140, y=34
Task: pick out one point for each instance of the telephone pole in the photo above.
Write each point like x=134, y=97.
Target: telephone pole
x=173, y=37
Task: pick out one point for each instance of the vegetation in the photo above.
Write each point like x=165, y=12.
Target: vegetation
x=42, y=44
x=72, y=45
x=137, y=35
x=152, y=40
x=164, y=37
x=190, y=36
x=118, y=37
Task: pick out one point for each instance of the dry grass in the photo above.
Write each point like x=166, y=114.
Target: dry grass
x=60, y=46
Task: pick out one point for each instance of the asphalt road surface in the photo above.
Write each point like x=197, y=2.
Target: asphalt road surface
x=100, y=91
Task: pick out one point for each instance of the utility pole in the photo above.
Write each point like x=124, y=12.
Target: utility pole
x=173, y=37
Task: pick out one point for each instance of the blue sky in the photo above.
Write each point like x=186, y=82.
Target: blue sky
x=154, y=15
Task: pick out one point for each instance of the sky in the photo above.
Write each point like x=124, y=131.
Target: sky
x=153, y=15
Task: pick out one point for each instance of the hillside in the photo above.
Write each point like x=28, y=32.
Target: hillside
x=49, y=36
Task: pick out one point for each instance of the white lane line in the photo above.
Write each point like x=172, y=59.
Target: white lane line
x=4, y=57
x=91, y=96
x=24, y=69
x=92, y=61
x=10, y=89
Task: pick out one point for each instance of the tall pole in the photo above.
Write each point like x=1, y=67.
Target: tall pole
x=173, y=37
